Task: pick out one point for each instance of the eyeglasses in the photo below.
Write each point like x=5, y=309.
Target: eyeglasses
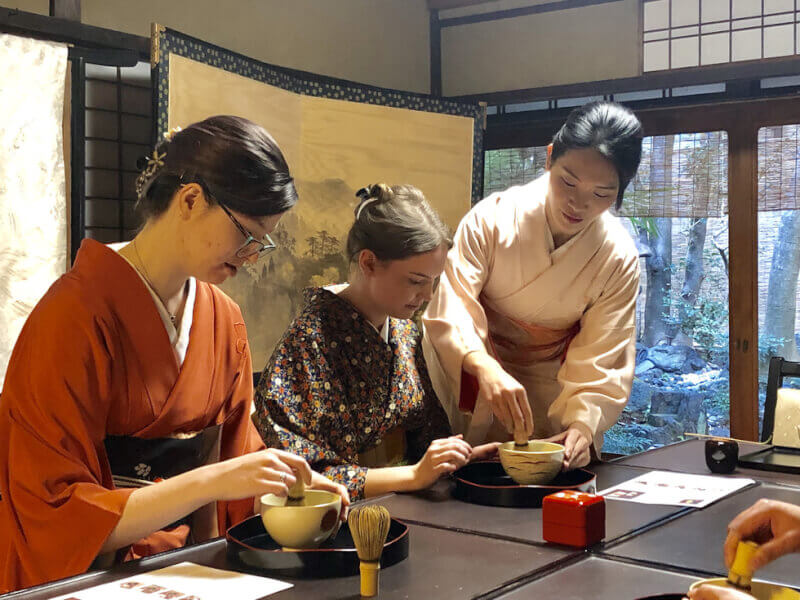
x=251, y=245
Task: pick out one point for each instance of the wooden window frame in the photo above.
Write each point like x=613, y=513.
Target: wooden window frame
x=741, y=120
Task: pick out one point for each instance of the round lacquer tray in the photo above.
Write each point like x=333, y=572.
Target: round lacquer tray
x=251, y=546
x=487, y=483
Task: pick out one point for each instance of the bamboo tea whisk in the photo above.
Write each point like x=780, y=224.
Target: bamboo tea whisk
x=369, y=526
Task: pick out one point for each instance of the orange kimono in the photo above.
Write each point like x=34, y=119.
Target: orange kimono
x=94, y=360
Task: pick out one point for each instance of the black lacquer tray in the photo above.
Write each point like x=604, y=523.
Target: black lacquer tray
x=250, y=546
x=487, y=483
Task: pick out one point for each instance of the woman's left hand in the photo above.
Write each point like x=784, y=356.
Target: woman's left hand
x=577, y=447
x=484, y=451
x=320, y=482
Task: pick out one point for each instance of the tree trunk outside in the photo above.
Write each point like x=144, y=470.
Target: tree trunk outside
x=782, y=290
x=693, y=275
x=658, y=266
x=779, y=322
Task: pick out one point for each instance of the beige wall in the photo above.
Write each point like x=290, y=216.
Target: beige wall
x=378, y=42
x=385, y=42
x=567, y=46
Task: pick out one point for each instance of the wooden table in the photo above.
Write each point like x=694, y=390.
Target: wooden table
x=461, y=550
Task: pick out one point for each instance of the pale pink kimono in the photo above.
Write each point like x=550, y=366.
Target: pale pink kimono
x=561, y=321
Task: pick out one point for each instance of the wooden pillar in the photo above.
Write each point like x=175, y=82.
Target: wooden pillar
x=66, y=9
x=743, y=243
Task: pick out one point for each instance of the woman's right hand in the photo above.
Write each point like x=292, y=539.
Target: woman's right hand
x=268, y=471
x=772, y=524
x=506, y=396
x=443, y=456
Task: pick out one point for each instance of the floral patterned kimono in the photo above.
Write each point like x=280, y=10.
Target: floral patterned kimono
x=336, y=388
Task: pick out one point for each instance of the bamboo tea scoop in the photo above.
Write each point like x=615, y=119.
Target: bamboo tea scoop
x=369, y=526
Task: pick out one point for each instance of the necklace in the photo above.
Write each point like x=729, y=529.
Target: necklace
x=172, y=317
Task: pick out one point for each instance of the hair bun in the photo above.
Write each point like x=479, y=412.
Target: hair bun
x=374, y=194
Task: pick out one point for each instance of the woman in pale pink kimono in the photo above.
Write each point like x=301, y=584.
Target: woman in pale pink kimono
x=531, y=331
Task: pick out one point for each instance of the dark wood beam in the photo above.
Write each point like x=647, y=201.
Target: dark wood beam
x=521, y=12
x=756, y=69
x=743, y=286
x=66, y=9
x=70, y=32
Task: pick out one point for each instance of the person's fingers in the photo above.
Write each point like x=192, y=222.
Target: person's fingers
x=296, y=464
x=775, y=548
x=451, y=456
x=485, y=451
x=501, y=412
x=750, y=520
x=518, y=421
x=527, y=415
x=729, y=548
x=443, y=469
x=451, y=444
x=272, y=486
x=460, y=445
x=580, y=459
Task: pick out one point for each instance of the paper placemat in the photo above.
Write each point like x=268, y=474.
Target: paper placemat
x=677, y=489
x=184, y=581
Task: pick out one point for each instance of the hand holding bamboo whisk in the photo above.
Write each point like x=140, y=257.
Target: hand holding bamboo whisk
x=369, y=526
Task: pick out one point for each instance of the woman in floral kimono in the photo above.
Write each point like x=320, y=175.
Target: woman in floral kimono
x=532, y=328
x=125, y=415
x=347, y=387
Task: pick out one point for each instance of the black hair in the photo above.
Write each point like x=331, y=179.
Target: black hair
x=235, y=161
x=610, y=129
x=395, y=222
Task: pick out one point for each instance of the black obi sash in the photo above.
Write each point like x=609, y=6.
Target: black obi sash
x=149, y=460
x=137, y=462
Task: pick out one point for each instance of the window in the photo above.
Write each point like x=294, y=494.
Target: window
x=118, y=127
x=691, y=33
x=778, y=248
x=675, y=209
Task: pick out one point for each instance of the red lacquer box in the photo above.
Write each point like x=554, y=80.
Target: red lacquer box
x=573, y=518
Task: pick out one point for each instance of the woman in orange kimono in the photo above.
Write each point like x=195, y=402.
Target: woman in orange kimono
x=531, y=331
x=134, y=369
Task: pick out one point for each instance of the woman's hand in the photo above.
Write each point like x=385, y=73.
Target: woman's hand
x=715, y=592
x=268, y=471
x=577, y=447
x=443, y=456
x=506, y=396
x=773, y=524
x=320, y=482
x=484, y=451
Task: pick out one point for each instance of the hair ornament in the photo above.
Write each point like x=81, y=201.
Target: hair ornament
x=366, y=200
x=172, y=132
x=154, y=162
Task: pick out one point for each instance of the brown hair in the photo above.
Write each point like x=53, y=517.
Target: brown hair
x=235, y=161
x=395, y=222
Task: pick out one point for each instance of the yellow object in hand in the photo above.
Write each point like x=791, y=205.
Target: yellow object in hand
x=740, y=574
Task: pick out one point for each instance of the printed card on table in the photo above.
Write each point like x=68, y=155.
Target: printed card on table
x=678, y=489
x=184, y=581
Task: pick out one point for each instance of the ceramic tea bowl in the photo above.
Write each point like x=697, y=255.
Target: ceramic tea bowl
x=303, y=523
x=761, y=590
x=535, y=464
